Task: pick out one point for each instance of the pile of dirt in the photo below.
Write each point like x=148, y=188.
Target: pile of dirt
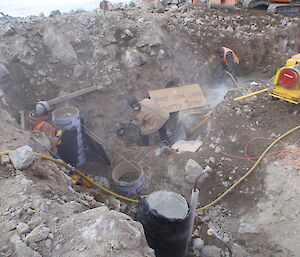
x=43, y=213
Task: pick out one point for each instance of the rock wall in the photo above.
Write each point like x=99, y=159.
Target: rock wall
x=130, y=51
x=133, y=50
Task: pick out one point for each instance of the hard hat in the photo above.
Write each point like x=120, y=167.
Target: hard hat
x=42, y=107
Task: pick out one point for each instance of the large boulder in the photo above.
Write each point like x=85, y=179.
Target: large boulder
x=22, y=53
x=59, y=45
x=102, y=231
x=192, y=171
x=22, y=157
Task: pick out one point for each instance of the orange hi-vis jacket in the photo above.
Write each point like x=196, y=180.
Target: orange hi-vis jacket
x=38, y=127
x=40, y=124
x=235, y=58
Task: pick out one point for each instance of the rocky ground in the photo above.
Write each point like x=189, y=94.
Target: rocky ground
x=126, y=52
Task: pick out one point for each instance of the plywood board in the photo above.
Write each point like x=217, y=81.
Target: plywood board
x=176, y=99
x=187, y=146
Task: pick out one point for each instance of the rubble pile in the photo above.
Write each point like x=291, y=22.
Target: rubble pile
x=126, y=52
x=43, y=215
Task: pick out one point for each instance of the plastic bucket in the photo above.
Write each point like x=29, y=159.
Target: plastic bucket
x=68, y=118
x=166, y=219
x=129, y=178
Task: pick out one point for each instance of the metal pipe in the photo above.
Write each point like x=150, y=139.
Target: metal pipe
x=232, y=78
x=193, y=207
x=207, y=169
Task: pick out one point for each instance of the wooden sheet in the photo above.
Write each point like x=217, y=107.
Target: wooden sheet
x=179, y=98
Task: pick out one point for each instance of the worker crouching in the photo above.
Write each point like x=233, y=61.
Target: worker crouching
x=150, y=118
x=39, y=121
x=228, y=60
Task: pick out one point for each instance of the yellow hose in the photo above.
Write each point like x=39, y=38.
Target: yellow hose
x=248, y=173
x=136, y=201
x=251, y=94
x=60, y=162
x=4, y=153
x=200, y=123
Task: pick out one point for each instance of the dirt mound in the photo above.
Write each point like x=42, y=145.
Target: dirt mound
x=40, y=204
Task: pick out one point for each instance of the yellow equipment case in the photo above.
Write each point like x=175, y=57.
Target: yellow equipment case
x=287, y=81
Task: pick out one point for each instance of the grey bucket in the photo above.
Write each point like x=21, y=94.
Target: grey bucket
x=129, y=187
x=66, y=118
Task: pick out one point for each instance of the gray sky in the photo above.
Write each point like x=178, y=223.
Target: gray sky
x=35, y=7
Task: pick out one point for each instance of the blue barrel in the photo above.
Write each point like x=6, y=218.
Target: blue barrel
x=68, y=118
x=129, y=178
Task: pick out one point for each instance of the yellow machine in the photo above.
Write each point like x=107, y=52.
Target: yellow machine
x=287, y=81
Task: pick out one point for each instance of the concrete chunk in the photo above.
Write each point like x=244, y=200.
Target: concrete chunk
x=133, y=58
x=21, y=249
x=198, y=243
x=22, y=157
x=22, y=228
x=59, y=45
x=38, y=234
x=210, y=251
x=192, y=171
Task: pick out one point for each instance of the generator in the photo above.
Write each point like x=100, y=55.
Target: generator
x=287, y=81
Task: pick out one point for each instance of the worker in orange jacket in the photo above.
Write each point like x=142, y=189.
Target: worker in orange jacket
x=228, y=60
x=39, y=121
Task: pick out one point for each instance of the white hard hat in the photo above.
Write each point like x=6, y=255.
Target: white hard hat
x=42, y=107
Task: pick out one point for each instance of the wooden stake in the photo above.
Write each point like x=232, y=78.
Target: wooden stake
x=22, y=119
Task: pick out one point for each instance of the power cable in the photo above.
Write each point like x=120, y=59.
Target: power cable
x=249, y=172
